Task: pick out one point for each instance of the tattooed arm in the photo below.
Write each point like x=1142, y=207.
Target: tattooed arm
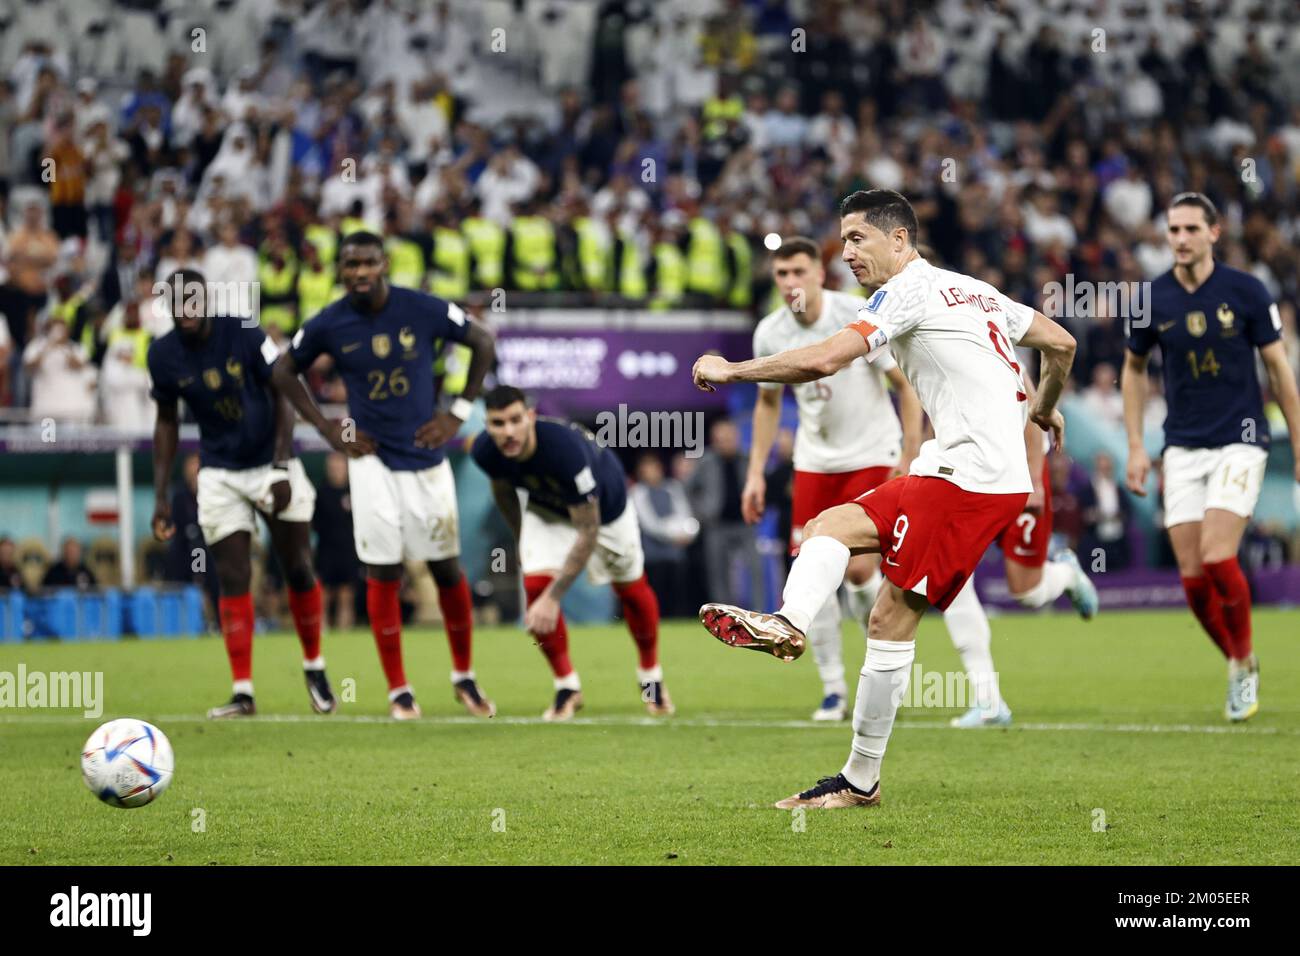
x=544, y=612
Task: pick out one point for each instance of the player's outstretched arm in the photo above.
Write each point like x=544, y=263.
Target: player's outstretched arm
x=1281, y=382
x=791, y=367
x=1133, y=388
x=767, y=416
x=1057, y=347
x=544, y=612
x=440, y=429
x=285, y=380
x=166, y=436
x=507, y=500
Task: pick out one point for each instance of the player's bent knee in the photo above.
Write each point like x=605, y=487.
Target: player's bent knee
x=847, y=524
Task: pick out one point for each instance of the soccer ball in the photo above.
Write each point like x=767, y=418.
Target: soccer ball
x=127, y=763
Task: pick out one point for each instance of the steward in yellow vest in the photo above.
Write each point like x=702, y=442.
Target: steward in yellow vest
x=449, y=271
x=534, y=257
x=486, y=241
x=277, y=272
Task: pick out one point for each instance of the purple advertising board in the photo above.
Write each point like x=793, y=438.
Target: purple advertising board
x=644, y=365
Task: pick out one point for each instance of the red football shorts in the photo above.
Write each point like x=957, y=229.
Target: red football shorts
x=933, y=531
x=1025, y=540
x=814, y=492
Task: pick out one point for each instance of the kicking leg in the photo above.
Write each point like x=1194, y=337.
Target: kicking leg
x=815, y=576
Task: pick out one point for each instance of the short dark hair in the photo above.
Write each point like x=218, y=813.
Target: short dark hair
x=1201, y=202
x=885, y=209
x=362, y=237
x=503, y=396
x=796, y=245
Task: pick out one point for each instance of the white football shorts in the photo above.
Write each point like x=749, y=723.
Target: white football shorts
x=400, y=515
x=1227, y=478
x=545, y=540
x=229, y=499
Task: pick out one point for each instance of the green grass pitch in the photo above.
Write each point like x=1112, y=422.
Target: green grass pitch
x=1119, y=754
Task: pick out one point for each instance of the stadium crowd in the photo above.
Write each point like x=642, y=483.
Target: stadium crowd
x=615, y=152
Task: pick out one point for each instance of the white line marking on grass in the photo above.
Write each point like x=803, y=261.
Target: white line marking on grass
x=615, y=720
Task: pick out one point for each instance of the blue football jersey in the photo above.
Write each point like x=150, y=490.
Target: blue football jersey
x=567, y=468
x=1207, y=342
x=225, y=382
x=386, y=361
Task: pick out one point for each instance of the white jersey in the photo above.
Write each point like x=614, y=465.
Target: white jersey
x=953, y=337
x=846, y=421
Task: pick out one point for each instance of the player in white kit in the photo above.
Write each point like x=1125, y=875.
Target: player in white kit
x=849, y=441
x=953, y=336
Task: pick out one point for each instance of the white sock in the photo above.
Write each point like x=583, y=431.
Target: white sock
x=827, y=645
x=650, y=675
x=317, y=663
x=880, y=689
x=568, y=682
x=244, y=687
x=968, y=626
x=458, y=676
x=862, y=597
x=814, y=578
x=1056, y=578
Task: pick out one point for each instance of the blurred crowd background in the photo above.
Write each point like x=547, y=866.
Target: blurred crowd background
x=617, y=153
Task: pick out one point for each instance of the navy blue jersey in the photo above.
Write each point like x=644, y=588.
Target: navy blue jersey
x=1207, y=341
x=567, y=468
x=386, y=361
x=225, y=383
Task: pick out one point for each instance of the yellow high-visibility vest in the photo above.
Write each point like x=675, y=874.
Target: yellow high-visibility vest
x=405, y=262
x=595, y=254
x=534, y=253
x=741, y=295
x=706, y=263
x=631, y=272
x=277, y=295
x=351, y=224
x=315, y=291
x=325, y=240
x=449, y=278
x=670, y=275
x=487, y=244
x=140, y=340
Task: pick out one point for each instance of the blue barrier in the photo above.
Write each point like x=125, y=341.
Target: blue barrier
x=13, y=618
x=71, y=615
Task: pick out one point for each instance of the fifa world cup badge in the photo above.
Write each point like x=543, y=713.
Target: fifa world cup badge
x=381, y=346
x=1196, y=323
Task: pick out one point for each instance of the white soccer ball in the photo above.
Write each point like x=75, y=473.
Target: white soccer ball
x=127, y=763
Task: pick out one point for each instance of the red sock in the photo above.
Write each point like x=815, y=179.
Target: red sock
x=1234, y=592
x=236, y=615
x=556, y=644
x=306, y=609
x=1204, y=601
x=386, y=623
x=641, y=611
x=458, y=617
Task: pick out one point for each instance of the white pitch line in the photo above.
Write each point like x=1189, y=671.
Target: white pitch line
x=705, y=722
